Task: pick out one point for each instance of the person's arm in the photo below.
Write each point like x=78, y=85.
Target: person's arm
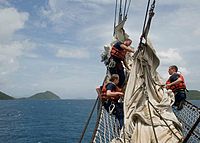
x=111, y=93
x=129, y=49
x=174, y=82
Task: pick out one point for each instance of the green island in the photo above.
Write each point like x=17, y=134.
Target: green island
x=47, y=95
x=4, y=96
x=193, y=95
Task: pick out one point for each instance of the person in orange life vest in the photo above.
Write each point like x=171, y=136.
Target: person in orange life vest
x=118, y=53
x=114, y=93
x=177, y=84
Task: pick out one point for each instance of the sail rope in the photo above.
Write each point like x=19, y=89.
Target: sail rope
x=152, y=124
x=124, y=8
x=115, y=17
x=120, y=12
x=121, y=16
x=144, y=64
x=126, y=14
x=146, y=25
x=164, y=121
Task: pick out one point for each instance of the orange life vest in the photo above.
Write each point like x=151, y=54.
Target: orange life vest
x=178, y=86
x=120, y=54
x=104, y=94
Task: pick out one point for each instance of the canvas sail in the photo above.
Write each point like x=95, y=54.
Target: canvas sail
x=146, y=101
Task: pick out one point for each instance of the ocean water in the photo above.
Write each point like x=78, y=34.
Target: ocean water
x=44, y=121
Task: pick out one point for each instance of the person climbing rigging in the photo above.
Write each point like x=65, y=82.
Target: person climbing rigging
x=113, y=94
x=177, y=84
x=117, y=56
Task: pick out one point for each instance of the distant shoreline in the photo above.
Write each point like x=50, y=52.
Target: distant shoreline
x=48, y=95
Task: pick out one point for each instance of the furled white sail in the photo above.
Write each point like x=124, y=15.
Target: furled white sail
x=146, y=99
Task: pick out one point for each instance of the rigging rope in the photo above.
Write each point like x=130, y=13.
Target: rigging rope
x=145, y=19
x=164, y=121
x=120, y=12
x=152, y=124
x=115, y=17
x=146, y=25
x=128, y=8
x=87, y=123
x=121, y=17
x=124, y=9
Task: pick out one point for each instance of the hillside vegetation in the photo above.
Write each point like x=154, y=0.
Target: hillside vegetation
x=4, y=96
x=45, y=95
x=193, y=95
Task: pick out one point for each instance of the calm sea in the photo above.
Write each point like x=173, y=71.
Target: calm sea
x=45, y=121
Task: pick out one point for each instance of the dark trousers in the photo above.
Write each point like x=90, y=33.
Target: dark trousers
x=118, y=111
x=180, y=97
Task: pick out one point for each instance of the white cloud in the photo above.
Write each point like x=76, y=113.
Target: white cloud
x=64, y=14
x=73, y=53
x=4, y=2
x=11, y=50
x=10, y=54
x=197, y=32
x=11, y=21
x=170, y=56
x=52, y=11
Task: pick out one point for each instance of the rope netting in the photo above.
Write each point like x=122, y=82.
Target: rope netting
x=107, y=127
x=188, y=116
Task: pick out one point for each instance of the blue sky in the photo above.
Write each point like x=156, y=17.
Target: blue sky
x=55, y=45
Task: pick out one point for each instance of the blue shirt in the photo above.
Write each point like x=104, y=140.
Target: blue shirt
x=111, y=86
x=174, y=77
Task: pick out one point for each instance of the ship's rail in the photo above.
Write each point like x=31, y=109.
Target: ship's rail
x=189, y=116
x=107, y=127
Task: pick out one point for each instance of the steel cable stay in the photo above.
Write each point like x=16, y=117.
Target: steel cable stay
x=126, y=14
x=119, y=7
x=120, y=12
x=88, y=121
x=115, y=17
x=124, y=8
x=147, y=24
